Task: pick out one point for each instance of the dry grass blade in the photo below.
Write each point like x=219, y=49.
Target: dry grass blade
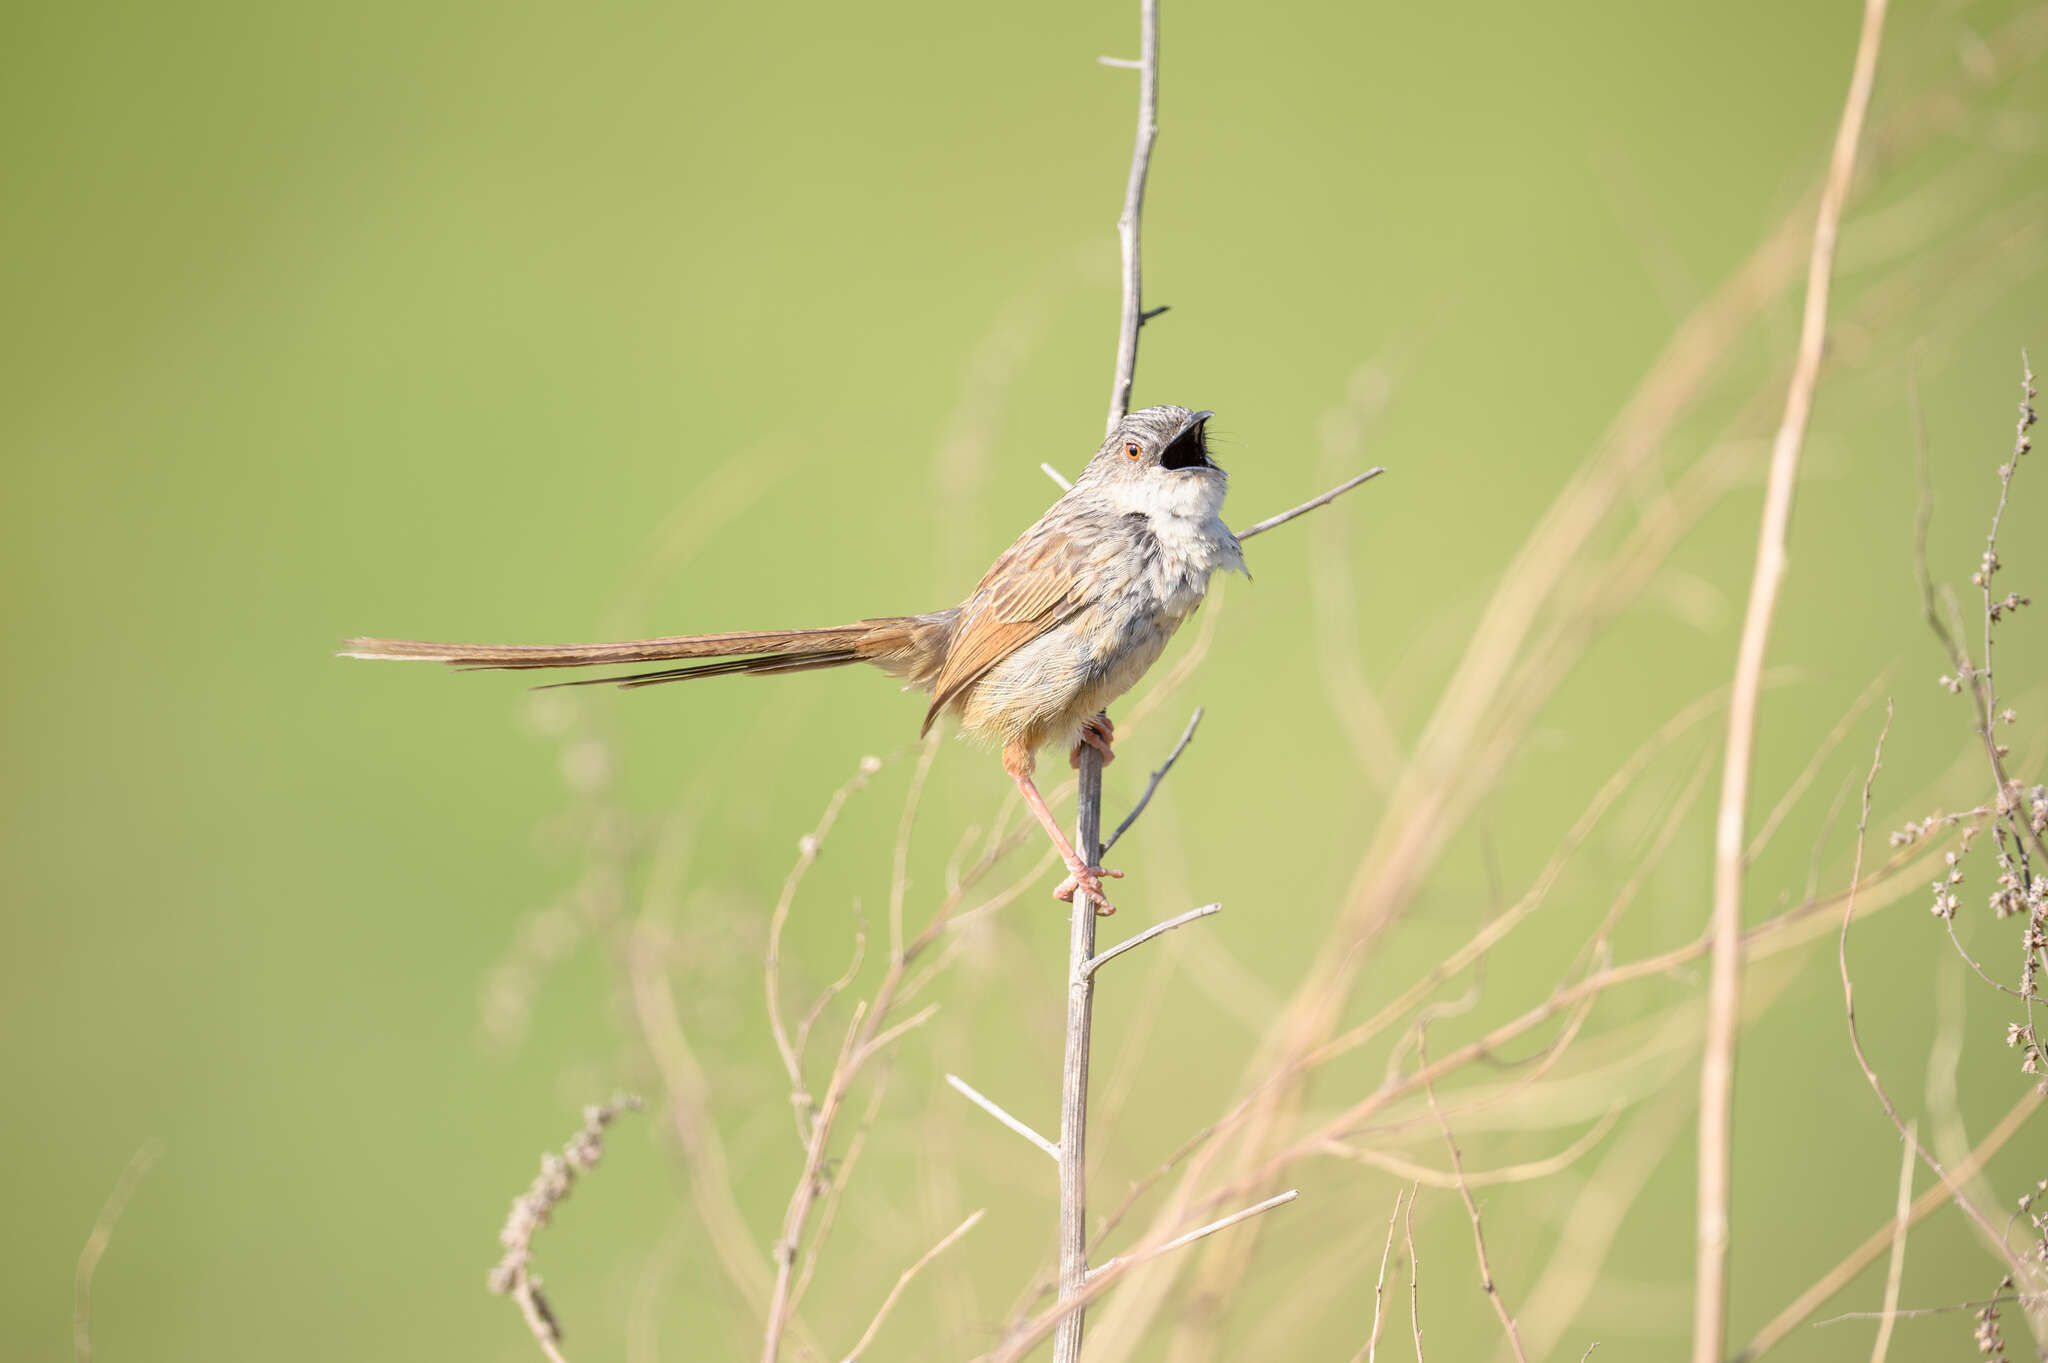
x=1895, y=1273
x=1879, y=1240
x=1724, y=998
x=97, y=1241
x=1513, y=1173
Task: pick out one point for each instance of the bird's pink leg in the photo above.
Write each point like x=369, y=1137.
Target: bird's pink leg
x=1080, y=877
x=1099, y=734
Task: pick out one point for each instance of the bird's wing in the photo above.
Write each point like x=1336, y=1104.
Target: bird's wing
x=1038, y=582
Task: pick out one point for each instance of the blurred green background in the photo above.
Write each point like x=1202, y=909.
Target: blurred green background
x=529, y=323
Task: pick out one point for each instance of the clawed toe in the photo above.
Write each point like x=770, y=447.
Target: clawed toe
x=1090, y=881
x=1097, y=733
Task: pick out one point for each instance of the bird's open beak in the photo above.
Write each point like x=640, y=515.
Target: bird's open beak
x=1190, y=449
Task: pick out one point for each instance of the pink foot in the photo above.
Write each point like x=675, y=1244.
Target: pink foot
x=1088, y=878
x=1099, y=734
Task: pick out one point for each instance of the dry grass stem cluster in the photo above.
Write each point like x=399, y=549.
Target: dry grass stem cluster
x=1540, y=1101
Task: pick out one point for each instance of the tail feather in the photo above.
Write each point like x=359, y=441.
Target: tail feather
x=728, y=667
x=911, y=646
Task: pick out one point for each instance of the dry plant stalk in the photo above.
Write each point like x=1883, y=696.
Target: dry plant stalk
x=1082, y=961
x=1724, y=1000
x=1073, y=1140
x=534, y=1208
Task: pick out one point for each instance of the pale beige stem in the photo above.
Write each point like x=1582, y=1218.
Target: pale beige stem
x=1724, y=996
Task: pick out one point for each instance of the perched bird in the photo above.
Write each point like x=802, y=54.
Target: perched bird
x=1067, y=620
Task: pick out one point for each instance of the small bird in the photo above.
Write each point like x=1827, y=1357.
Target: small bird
x=1067, y=620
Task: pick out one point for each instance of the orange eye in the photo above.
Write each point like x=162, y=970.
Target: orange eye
x=1133, y=450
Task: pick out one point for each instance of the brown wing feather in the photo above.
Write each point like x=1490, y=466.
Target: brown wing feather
x=1027, y=593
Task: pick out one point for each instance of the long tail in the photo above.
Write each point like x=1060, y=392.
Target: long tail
x=910, y=646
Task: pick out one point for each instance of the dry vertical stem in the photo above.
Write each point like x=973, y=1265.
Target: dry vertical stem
x=1129, y=224
x=1724, y=998
x=1073, y=1148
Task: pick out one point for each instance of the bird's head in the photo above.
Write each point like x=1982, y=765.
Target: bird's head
x=1157, y=459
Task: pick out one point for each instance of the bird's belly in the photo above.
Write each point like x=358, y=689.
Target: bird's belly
x=1042, y=693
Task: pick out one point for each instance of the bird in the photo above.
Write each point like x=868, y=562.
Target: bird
x=1066, y=620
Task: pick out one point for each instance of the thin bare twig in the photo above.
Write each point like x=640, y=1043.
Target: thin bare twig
x=1906, y=1133
x=1094, y=963
x=1203, y=1232
x=882, y=1039
x=1919, y=1312
x=1486, y=1283
x=889, y=1302
x=1370, y=1354
x=1151, y=787
x=1895, y=1273
x=989, y=1105
x=1129, y=224
x=807, y=852
x=1066, y=484
x=96, y=1243
x=1724, y=999
x=1024, y=1336
x=1310, y=505
x=1414, y=1277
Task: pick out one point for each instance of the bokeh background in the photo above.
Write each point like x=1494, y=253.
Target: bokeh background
x=525, y=323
